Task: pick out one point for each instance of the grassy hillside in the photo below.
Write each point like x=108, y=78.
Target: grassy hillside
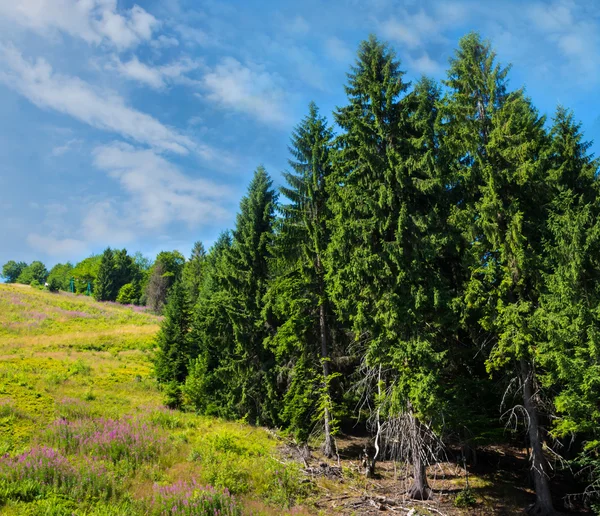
x=83, y=430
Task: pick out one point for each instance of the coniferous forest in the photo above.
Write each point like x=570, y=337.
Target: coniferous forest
x=429, y=273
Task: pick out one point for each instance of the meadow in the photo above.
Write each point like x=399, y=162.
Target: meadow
x=83, y=429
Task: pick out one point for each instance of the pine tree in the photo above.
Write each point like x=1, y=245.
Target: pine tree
x=297, y=294
x=173, y=341
x=104, y=286
x=207, y=387
x=166, y=271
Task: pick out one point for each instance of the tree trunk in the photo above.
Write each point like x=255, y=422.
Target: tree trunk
x=539, y=468
x=328, y=445
x=419, y=490
x=371, y=461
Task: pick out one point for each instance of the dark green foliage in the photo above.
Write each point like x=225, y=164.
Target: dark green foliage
x=297, y=294
x=53, y=285
x=34, y=273
x=60, y=276
x=435, y=264
x=11, y=270
x=228, y=327
x=104, y=286
x=174, y=344
x=167, y=270
x=388, y=256
x=193, y=272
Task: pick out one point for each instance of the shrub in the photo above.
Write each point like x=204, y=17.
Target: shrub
x=465, y=498
x=128, y=294
x=168, y=419
x=53, y=285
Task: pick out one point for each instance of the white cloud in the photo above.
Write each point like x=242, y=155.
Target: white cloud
x=297, y=25
x=156, y=194
x=412, y=30
x=424, y=65
x=164, y=41
x=98, y=108
x=67, y=146
x=56, y=246
x=337, y=50
x=95, y=21
x=573, y=31
x=248, y=90
x=160, y=193
x=192, y=35
x=154, y=76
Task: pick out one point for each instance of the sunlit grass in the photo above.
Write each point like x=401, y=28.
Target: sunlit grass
x=76, y=388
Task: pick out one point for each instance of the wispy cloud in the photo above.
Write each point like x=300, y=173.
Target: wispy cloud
x=574, y=32
x=297, y=25
x=95, y=21
x=253, y=91
x=160, y=193
x=337, y=50
x=157, y=77
x=154, y=194
x=99, y=108
x=66, y=147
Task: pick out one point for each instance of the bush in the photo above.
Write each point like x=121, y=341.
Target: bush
x=128, y=294
x=172, y=398
x=465, y=498
x=53, y=285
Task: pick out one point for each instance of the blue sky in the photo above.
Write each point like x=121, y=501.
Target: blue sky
x=140, y=125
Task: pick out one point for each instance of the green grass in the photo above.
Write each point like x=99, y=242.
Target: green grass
x=73, y=375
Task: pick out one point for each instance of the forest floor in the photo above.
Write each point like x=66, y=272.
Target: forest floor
x=69, y=365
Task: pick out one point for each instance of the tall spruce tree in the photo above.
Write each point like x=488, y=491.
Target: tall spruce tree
x=104, y=286
x=387, y=251
x=297, y=293
x=207, y=386
x=496, y=143
x=568, y=350
x=242, y=370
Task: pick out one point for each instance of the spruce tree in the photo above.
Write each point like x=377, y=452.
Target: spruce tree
x=229, y=328
x=174, y=346
x=207, y=387
x=193, y=271
x=387, y=249
x=297, y=293
x=568, y=351
x=104, y=286
x=496, y=143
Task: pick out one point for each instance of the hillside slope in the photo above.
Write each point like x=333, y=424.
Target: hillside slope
x=83, y=430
